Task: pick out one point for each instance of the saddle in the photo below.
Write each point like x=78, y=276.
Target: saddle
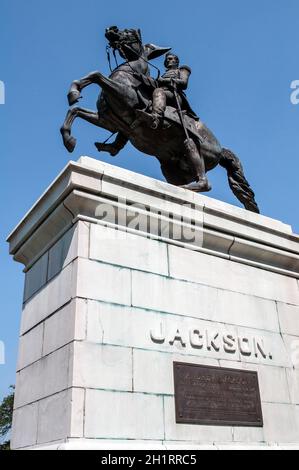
x=196, y=128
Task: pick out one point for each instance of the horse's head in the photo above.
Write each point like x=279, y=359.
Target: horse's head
x=127, y=42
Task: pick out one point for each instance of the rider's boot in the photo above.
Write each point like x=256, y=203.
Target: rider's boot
x=155, y=118
x=159, y=106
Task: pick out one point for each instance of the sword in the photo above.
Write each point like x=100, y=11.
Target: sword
x=189, y=144
x=181, y=116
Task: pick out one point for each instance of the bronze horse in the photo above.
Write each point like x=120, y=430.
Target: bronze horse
x=125, y=94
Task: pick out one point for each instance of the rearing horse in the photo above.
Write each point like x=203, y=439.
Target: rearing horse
x=126, y=92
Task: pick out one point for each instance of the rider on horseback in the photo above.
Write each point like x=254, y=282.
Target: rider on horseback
x=174, y=76
x=132, y=101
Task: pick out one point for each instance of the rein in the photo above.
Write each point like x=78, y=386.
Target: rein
x=139, y=56
x=108, y=58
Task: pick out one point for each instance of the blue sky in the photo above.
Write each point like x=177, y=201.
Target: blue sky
x=243, y=55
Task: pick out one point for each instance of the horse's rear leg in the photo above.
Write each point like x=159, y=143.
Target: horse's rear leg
x=197, y=162
x=115, y=147
x=86, y=114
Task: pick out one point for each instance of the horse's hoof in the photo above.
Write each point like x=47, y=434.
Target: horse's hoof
x=70, y=143
x=201, y=186
x=73, y=97
x=99, y=146
x=107, y=148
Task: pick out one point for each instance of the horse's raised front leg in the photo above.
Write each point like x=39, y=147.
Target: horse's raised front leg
x=77, y=86
x=111, y=86
x=120, y=91
x=66, y=129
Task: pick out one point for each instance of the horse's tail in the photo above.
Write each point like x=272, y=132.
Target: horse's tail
x=237, y=181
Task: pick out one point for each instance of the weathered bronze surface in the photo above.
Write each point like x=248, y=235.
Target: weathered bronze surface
x=155, y=116
x=216, y=395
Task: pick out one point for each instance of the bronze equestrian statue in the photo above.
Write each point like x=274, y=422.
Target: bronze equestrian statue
x=155, y=116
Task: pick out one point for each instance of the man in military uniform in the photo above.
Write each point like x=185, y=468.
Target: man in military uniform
x=175, y=78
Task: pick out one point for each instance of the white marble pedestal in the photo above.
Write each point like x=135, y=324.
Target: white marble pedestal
x=126, y=274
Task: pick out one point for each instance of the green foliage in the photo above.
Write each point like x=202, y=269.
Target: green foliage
x=5, y=445
x=6, y=409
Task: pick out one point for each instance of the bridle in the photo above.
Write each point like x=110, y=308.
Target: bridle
x=119, y=47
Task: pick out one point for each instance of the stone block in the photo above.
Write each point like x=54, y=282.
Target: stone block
x=24, y=427
x=54, y=417
x=280, y=423
x=72, y=244
x=288, y=318
x=30, y=346
x=206, y=269
x=121, y=415
x=54, y=295
x=245, y=311
x=101, y=366
x=61, y=416
x=101, y=281
x=43, y=378
x=293, y=383
x=292, y=348
x=248, y=435
x=66, y=325
x=77, y=412
x=129, y=250
x=36, y=276
x=172, y=296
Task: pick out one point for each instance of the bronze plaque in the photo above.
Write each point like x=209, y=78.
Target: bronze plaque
x=216, y=395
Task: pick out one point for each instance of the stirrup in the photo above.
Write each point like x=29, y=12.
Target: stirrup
x=155, y=124
x=156, y=120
